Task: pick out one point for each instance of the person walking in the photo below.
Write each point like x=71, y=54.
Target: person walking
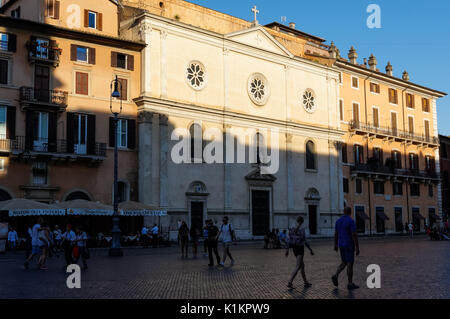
x=195, y=237
x=213, y=235
x=205, y=239
x=68, y=242
x=297, y=241
x=81, y=243
x=44, y=245
x=35, y=249
x=227, y=233
x=346, y=241
x=183, y=235
x=411, y=230
x=57, y=237
x=12, y=239
x=145, y=239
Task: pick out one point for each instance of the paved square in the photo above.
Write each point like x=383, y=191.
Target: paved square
x=410, y=268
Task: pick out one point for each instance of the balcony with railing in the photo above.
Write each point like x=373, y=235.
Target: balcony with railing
x=379, y=170
x=392, y=133
x=22, y=147
x=53, y=99
x=46, y=52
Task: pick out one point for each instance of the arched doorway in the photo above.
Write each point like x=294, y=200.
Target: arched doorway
x=312, y=201
x=77, y=195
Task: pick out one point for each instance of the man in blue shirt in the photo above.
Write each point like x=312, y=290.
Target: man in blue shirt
x=346, y=241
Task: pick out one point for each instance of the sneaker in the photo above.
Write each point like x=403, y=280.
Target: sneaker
x=335, y=280
x=221, y=264
x=352, y=286
x=290, y=286
x=308, y=285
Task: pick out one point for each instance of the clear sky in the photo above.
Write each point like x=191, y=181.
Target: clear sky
x=414, y=34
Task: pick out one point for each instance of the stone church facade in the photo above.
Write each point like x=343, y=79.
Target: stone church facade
x=195, y=80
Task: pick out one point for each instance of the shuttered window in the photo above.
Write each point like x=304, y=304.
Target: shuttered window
x=345, y=184
x=376, y=119
x=394, y=123
x=355, y=112
x=358, y=186
x=341, y=110
x=393, y=97
x=82, y=54
x=3, y=71
x=427, y=129
x=411, y=124
x=374, y=88
x=93, y=20
x=425, y=105
x=52, y=9
x=359, y=154
x=122, y=60
x=82, y=83
x=124, y=89
x=410, y=100
x=344, y=153
x=355, y=82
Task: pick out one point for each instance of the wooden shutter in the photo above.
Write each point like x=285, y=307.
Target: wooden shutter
x=131, y=134
x=376, y=121
x=124, y=89
x=113, y=59
x=355, y=112
x=344, y=153
x=130, y=62
x=82, y=83
x=86, y=18
x=70, y=132
x=3, y=71
x=112, y=134
x=73, y=52
x=12, y=42
x=11, y=122
x=411, y=125
x=91, y=134
x=52, y=129
x=56, y=10
x=29, y=129
x=394, y=123
x=91, y=52
x=99, y=21
x=341, y=110
x=427, y=129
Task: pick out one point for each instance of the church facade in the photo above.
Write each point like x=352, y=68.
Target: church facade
x=236, y=121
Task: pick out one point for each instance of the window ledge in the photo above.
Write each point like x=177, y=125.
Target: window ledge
x=308, y=170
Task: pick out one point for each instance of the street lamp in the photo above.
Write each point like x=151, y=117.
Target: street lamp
x=115, y=250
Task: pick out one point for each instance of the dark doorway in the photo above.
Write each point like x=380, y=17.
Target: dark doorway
x=197, y=213
x=312, y=212
x=260, y=212
x=380, y=220
x=398, y=219
x=360, y=220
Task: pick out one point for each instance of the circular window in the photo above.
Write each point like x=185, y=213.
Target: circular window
x=258, y=89
x=309, y=101
x=196, y=75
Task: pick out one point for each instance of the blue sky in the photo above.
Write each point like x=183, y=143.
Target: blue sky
x=414, y=34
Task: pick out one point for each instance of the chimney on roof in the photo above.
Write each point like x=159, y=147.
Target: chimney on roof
x=372, y=63
x=389, y=69
x=292, y=25
x=352, y=55
x=332, y=50
x=405, y=76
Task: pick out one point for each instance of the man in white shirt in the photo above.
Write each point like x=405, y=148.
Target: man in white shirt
x=227, y=232
x=12, y=239
x=68, y=241
x=35, y=249
x=411, y=229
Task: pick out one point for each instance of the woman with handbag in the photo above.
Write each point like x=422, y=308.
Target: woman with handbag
x=81, y=245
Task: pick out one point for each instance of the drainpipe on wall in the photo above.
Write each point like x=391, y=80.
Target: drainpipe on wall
x=405, y=151
x=368, y=179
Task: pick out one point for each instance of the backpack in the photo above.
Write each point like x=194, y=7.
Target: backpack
x=296, y=237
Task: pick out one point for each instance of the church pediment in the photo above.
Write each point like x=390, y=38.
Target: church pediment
x=256, y=176
x=258, y=37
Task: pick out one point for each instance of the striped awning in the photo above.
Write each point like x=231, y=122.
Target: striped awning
x=36, y=212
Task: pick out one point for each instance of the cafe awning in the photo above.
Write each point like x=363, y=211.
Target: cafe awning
x=25, y=207
x=382, y=215
x=131, y=208
x=418, y=215
x=81, y=207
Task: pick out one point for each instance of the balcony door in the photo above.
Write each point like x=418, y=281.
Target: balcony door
x=40, y=135
x=80, y=136
x=42, y=83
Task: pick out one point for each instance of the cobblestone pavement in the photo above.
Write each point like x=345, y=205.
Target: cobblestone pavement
x=411, y=268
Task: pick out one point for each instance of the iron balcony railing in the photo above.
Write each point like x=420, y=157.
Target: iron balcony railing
x=43, y=52
x=388, y=131
x=33, y=95
x=43, y=145
x=388, y=170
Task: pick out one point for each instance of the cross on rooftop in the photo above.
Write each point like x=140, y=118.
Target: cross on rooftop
x=255, y=11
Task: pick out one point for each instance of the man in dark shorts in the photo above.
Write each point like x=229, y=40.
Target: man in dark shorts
x=346, y=241
x=213, y=236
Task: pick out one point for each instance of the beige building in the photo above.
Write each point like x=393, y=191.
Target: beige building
x=206, y=70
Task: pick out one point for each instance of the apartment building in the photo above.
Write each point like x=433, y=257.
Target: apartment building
x=390, y=152
x=57, y=61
